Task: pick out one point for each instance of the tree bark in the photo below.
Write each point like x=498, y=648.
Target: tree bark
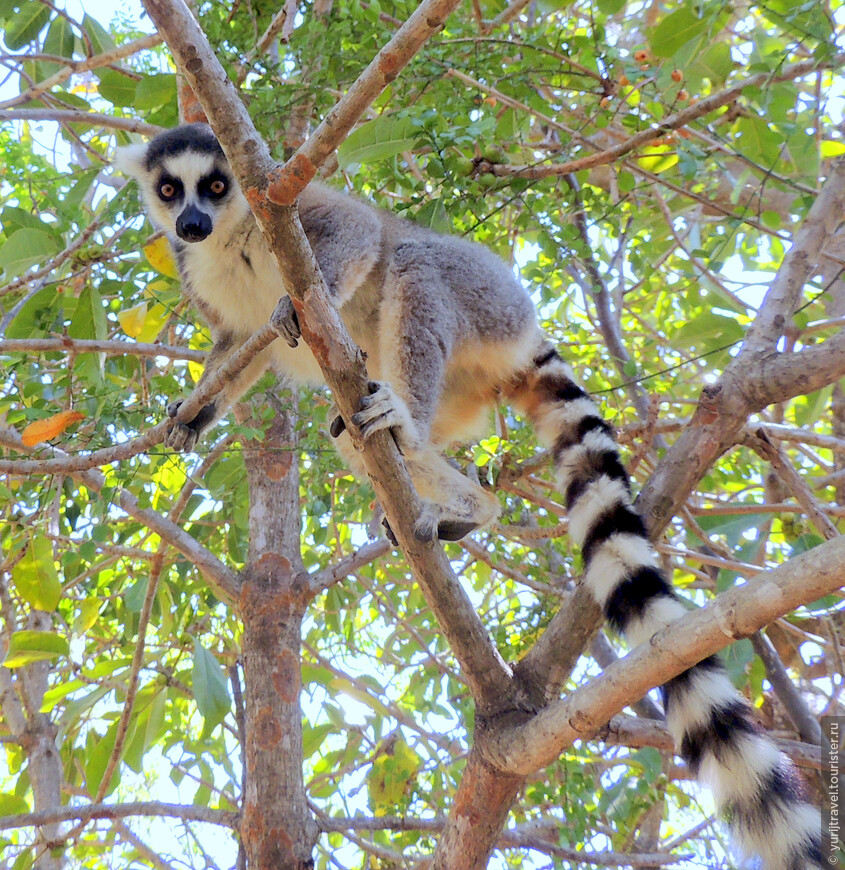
x=477, y=816
x=278, y=831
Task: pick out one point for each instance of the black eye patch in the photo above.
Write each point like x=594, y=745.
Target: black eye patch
x=215, y=185
x=169, y=188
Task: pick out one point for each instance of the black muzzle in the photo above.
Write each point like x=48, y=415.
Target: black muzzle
x=193, y=225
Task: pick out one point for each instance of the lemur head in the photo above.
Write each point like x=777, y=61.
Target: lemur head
x=185, y=181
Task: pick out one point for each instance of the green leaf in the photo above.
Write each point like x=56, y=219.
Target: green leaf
x=611, y=7
x=23, y=249
x=12, y=804
x=806, y=542
x=651, y=760
x=98, y=750
x=58, y=693
x=737, y=658
x=116, y=87
x=36, y=316
x=154, y=91
x=377, y=140
x=757, y=140
x=89, y=318
x=715, y=63
x=507, y=127
x=626, y=182
x=313, y=737
x=146, y=725
x=211, y=688
x=731, y=525
x=674, y=31
x=24, y=26
x=34, y=646
x=100, y=38
x=59, y=39
x=135, y=595
x=35, y=576
x=800, y=18
x=433, y=215
x=709, y=331
x=89, y=610
x=73, y=200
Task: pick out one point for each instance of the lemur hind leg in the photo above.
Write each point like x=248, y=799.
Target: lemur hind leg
x=417, y=341
x=454, y=504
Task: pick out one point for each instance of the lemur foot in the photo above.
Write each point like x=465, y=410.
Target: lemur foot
x=435, y=523
x=183, y=437
x=383, y=409
x=424, y=530
x=389, y=532
x=337, y=427
x=286, y=322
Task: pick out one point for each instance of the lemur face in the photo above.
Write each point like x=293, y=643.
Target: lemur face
x=185, y=181
x=190, y=189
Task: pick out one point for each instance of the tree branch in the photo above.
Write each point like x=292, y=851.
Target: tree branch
x=425, y=20
x=187, y=411
x=222, y=581
x=738, y=613
x=110, y=348
x=121, y=811
x=671, y=122
x=119, y=52
x=759, y=375
x=80, y=116
x=332, y=574
x=487, y=674
x=796, y=707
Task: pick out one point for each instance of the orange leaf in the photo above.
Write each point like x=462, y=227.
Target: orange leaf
x=44, y=430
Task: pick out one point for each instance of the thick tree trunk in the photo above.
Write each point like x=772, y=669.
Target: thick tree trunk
x=278, y=831
x=478, y=814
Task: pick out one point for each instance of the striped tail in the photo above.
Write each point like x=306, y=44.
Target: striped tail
x=755, y=786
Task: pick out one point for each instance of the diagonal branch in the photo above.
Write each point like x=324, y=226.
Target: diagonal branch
x=426, y=20
x=671, y=122
x=119, y=52
x=759, y=375
x=487, y=675
x=187, y=411
x=522, y=749
x=220, y=579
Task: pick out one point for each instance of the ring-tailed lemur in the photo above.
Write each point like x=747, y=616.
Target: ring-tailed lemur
x=448, y=330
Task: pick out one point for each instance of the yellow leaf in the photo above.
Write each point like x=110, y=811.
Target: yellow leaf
x=44, y=430
x=658, y=158
x=160, y=257
x=132, y=319
x=89, y=610
x=195, y=370
x=156, y=318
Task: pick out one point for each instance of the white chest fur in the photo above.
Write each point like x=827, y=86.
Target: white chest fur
x=239, y=281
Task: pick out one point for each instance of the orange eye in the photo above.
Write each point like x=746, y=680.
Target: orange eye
x=218, y=187
x=167, y=190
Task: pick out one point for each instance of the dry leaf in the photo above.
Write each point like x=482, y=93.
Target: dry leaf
x=44, y=430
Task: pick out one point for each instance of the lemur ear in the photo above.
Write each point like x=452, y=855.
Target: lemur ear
x=130, y=160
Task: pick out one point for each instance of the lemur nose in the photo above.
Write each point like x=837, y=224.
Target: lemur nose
x=193, y=225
